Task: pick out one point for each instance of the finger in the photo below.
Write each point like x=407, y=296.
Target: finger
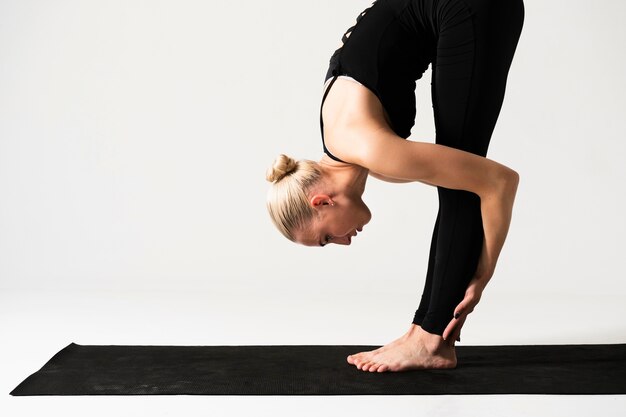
x=457, y=330
x=461, y=308
x=454, y=334
x=449, y=329
x=458, y=316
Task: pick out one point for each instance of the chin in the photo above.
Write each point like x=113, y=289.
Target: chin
x=368, y=217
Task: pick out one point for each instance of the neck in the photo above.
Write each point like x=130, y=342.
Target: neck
x=343, y=178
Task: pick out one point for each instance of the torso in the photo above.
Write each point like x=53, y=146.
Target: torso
x=349, y=103
x=386, y=51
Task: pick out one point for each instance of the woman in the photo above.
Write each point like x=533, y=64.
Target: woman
x=368, y=109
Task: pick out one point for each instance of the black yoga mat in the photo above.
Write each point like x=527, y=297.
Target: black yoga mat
x=323, y=370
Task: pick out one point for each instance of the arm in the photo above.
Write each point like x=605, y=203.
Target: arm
x=393, y=180
x=390, y=156
x=387, y=155
x=496, y=209
x=387, y=179
x=495, y=224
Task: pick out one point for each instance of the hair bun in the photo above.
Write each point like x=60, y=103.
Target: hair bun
x=283, y=166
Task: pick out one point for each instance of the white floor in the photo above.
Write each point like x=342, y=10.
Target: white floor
x=36, y=325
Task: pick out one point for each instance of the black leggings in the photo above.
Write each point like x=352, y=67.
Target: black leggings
x=475, y=47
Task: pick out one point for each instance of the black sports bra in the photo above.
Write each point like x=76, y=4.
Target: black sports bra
x=386, y=51
x=322, y=121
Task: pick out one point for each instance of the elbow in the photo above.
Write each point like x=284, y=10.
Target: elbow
x=513, y=178
x=509, y=181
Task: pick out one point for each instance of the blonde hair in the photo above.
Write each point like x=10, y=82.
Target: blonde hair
x=287, y=200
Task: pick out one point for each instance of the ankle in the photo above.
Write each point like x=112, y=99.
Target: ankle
x=412, y=332
x=432, y=342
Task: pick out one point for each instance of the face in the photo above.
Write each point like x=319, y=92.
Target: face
x=336, y=224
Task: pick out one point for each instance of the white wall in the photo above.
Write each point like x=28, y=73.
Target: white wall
x=134, y=138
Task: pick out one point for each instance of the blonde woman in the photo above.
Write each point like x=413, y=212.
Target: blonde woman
x=367, y=112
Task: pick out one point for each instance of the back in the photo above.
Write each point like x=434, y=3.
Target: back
x=387, y=50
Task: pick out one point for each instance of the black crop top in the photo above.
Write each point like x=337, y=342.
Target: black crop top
x=387, y=50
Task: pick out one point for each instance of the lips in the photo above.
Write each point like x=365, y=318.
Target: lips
x=354, y=233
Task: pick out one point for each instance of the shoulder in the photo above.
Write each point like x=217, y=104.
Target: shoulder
x=389, y=157
x=353, y=117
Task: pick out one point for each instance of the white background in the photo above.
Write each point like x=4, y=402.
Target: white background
x=134, y=139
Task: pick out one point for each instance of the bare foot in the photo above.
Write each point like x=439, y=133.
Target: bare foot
x=416, y=349
x=363, y=357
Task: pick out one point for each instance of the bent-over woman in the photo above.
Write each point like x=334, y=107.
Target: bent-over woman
x=367, y=112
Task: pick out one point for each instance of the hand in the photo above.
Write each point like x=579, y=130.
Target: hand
x=473, y=293
x=496, y=209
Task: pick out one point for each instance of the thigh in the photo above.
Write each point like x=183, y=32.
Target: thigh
x=476, y=43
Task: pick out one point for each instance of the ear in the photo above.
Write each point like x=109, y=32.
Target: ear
x=321, y=200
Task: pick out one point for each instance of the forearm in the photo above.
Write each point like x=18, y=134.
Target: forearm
x=496, y=208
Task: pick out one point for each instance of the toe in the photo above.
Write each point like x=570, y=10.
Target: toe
x=374, y=367
x=366, y=366
x=382, y=368
x=360, y=361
